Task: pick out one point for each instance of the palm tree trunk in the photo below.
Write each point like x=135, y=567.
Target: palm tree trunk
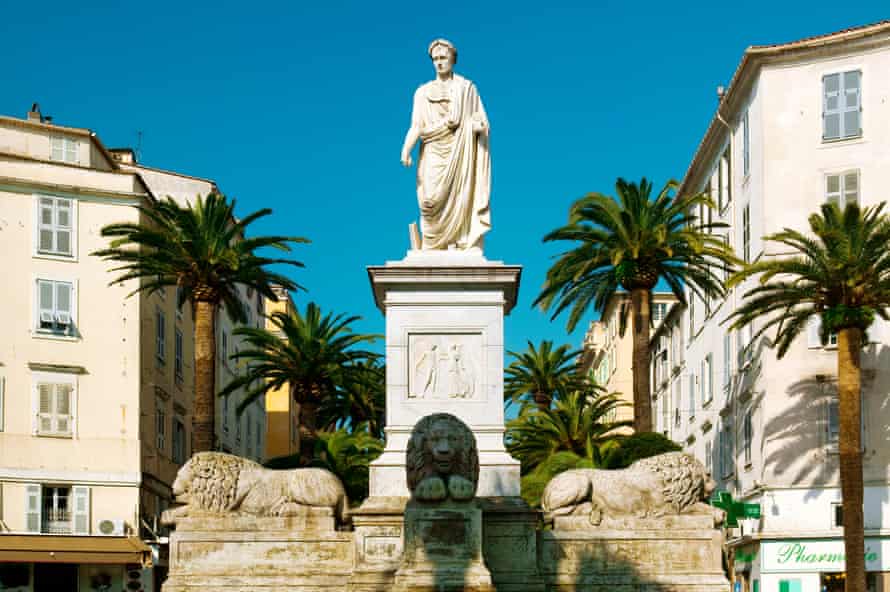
x=205, y=374
x=308, y=429
x=639, y=308
x=849, y=345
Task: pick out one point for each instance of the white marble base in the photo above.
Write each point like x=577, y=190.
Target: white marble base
x=445, y=353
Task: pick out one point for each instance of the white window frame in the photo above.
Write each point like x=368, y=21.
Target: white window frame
x=160, y=336
x=724, y=178
x=68, y=149
x=709, y=377
x=54, y=227
x=746, y=233
x=727, y=451
x=842, y=108
x=842, y=195
x=56, y=333
x=747, y=435
x=832, y=403
x=54, y=378
x=659, y=306
x=691, y=396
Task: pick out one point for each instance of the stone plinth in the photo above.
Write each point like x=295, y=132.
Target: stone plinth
x=236, y=552
x=442, y=549
x=509, y=543
x=445, y=353
x=574, y=556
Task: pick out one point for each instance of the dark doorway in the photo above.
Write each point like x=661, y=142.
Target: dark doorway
x=53, y=577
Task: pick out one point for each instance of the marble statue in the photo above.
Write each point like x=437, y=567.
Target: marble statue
x=215, y=482
x=667, y=484
x=454, y=164
x=442, y=460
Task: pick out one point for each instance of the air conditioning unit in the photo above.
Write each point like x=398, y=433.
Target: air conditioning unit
x=114, y=527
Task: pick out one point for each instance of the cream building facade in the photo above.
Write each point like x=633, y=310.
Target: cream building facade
x=800, y=124
x=95, y=387
x=607, y=355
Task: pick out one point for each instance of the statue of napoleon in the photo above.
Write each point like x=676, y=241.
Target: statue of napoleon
x=454, y=164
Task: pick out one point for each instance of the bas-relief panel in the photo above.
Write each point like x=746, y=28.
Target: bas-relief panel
x=445, y=366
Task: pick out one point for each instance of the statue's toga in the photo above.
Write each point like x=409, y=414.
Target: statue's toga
x=454, y=165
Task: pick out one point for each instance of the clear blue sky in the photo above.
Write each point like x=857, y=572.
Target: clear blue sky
x=302, y=107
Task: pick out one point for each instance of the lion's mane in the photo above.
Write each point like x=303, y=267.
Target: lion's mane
x=682, y=477
x=419, y=463
x=212, y=480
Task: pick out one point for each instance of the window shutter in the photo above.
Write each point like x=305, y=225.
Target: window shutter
x=852, y=125
x=32, y=507
x=851, y=188
x=44, y=408
x=833, y=189
x=63, y=303
x=45, y=225
x=45, y=295
x=70, y=150
x=63, y=226
x=57, y=148
x=813, y=340
x=691, y=394
x=81, y=510
x=63, y=409
x=831, y=112
x=832, y=419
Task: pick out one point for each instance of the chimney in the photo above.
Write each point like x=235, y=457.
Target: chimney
x=123, y=155
x=34, y=114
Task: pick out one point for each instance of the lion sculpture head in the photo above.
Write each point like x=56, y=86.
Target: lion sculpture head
x=666, y=484
x=215, y=482
x=442, y=460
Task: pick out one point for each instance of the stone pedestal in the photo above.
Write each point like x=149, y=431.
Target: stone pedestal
x=443, y=549
x=221, y=553
x=683, y=554
x=445, y=353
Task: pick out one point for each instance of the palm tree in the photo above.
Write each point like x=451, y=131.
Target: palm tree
x=362, y=401
x=579, y=422
x=540, y=374
x=630, y=243
x=202, y=249
x=841, y=276
x=315, y=354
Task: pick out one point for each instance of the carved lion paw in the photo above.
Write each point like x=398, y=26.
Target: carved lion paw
x=431, y=489
x=286, y=509
x=460, y=489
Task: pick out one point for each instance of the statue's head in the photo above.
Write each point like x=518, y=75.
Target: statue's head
x=444, y=55
x=441, y=444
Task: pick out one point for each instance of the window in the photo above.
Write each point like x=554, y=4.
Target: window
x=225, y=414
x=55, y=226
x=677, y=390
x=160, y=336
x=709, y=457
x=179, y=447
x=708, y=377
x=842, y=188
x=57, y=510
x=727, y=463
x=744, y=349
x=841, y=105
x=55, y=307
x=814, y=339
x=659, y=310
x=179, y=303
x=727, y=361
x=691, y=396
x=161, y=424
x=726, y=267
x=54, y=404
x=746, y=145
x=224, y=348
x=724, y=180
x=691, y=315
x=747, y=435
x=63, y=149
x=790, y=585
x=837, y=515
x=832, y=422
x=177, y=354
x=746, y=233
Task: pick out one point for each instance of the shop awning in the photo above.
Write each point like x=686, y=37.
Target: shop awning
x=43, y=548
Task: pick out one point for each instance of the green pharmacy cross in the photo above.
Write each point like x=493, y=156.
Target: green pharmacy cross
x=734, y=510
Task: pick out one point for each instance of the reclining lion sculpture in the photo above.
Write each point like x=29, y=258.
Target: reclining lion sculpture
x=215, y=482
x=671, y=483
